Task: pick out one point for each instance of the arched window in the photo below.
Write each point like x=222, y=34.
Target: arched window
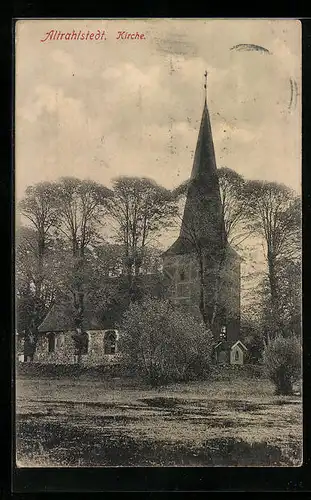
x=84, y=343
x=110, y=341
x=51, y=342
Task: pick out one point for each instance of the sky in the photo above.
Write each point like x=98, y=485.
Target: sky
x=103, y=108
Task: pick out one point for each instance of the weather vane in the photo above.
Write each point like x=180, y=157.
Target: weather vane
x=205, y=83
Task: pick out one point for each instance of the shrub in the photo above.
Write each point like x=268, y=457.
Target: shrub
x=165, y=343
x=282, y=363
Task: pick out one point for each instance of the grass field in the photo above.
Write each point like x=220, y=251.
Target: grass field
x=86, y=422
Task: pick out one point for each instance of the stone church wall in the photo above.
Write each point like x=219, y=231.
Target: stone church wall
x=64, y=352
x=183, y=287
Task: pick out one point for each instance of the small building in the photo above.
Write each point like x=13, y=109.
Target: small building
x=57, y=341
x=233, y=353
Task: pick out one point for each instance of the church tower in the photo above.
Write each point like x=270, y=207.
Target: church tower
x=202, y=244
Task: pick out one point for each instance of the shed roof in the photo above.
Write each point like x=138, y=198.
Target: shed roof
x=228, y=345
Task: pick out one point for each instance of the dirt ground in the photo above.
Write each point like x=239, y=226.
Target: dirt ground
x=87, y=422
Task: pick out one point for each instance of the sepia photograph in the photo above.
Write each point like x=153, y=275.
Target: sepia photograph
x=158, y=243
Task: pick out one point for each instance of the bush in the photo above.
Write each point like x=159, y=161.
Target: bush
x=253, y=371
x=165, y=343
x=282, y=363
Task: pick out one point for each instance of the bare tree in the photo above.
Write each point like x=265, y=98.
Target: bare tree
x=234, y=206
x=35, y=293
x=39, y=208
x=81, y=208
x=140, y=209
x=275, y=215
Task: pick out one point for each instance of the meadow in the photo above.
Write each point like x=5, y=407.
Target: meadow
x=97, y=421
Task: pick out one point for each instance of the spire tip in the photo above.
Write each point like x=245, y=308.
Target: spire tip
x=205, y=84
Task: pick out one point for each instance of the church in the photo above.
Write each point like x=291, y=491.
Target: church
x=201, y=274
x=202, y=269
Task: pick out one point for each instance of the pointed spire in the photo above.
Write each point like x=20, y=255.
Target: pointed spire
x=203, y=209
x=204, y=158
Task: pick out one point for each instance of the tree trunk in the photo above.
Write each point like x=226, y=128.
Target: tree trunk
x=274, y=317
x=218, y=284
x=79, y=293
x=202, y=303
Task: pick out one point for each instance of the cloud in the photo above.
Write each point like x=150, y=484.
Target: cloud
x=53, y=101
x=68, y=65
x=128, y=77
x=111, y=73
x=136, y=108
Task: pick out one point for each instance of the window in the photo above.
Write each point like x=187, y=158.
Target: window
x=194, y=272
x=223, y=333
x=237, y=355
x=183, y=290
x=84, y=343
x=51, y=342
x=59, y=342
x=110, y=340
x=169, y=271
x=184, y=272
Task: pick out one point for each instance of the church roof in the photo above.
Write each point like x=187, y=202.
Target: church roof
x=61, y=318
x=202, y=219
x=179, y=247
x=204, y=158
x=233, y=252
x=182, y=247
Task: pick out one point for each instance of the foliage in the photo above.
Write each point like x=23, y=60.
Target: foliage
x=282, y=362
x=164, y=342
x=252, y=336
x=289, y=299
